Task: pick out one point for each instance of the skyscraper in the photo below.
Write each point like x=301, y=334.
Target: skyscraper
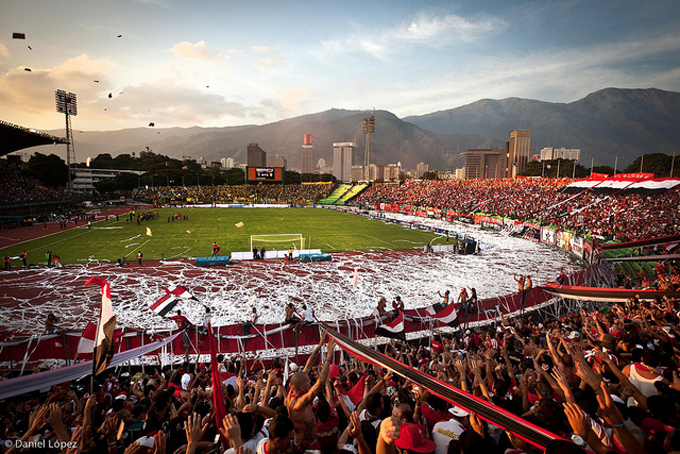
x=257, y=157
x=518, y=151
x=485, y=163
x=308, y=154
x=343, y=160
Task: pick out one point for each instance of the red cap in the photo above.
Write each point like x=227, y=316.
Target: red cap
x=412, y=437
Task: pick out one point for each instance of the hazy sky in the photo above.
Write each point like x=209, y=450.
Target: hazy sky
x=225, y=63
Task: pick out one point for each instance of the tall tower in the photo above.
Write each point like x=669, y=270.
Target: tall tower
x=368, y=129
x=308, y=154
x=343, y=160
x=67, y=103
x=518, y=151
x=257, y=157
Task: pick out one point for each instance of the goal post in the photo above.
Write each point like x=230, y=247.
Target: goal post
x=278, y=241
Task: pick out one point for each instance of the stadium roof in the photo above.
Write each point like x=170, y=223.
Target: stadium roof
x=14, y=137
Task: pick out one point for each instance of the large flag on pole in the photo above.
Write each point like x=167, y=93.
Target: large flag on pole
x=393, y=329
x=448, y=315
x=103, y=343
x=86, y=342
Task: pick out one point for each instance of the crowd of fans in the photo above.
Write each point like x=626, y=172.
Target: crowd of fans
x=247, y=193
x=616, y=216
x=16, y=187
x=605, y=380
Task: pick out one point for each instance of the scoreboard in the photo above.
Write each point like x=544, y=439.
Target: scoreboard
x=265, y=174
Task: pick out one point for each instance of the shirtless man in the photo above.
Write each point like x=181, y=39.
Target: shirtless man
x=299, y=402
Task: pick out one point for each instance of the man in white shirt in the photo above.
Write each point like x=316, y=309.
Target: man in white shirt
x=445, y=431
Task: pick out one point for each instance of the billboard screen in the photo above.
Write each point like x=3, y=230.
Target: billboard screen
x=265, y=174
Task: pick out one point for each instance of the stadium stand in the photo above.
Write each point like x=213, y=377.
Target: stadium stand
x=335, y=195
x=353, y=192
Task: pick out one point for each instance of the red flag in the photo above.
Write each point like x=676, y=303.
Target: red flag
x=393, y=329
x=86, y=342
x=164, y=305
x=103, y=344
x=218, y=397
x=356, y=393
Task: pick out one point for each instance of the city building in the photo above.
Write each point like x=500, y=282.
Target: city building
x=227, y=163
x=460, y=174
x=392, y=172
x=257, y=157
x=518, y=151
x=421, y=169
x=549, y=153
x=280, y=161
x=358, y=173
x=84, y=178
x=377, y=172
x=485, y=163
x=343, y=160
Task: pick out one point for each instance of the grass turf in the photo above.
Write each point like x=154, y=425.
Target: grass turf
x=328, y=230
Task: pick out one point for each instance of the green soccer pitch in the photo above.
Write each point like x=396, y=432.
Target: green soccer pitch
x=328, y=230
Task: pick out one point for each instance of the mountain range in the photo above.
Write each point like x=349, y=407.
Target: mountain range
x=606, y=124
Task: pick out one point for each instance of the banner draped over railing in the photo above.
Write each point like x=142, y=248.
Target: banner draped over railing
x=278, y=335
x=40, y=380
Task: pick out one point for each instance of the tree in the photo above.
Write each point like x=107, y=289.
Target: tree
x=50, y=170
x=657, y=163
x=292, y=177
x=235, y=176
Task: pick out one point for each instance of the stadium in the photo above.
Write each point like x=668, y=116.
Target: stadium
x=539, y=253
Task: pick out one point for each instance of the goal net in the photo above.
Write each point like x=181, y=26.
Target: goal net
x=278, y=242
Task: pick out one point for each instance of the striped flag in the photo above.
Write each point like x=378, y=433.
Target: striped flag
x=103, y=344
x=164, y=305
x=180, y=292
x=447, y=315
x=168, y=301
x=393, y=329
x=86, y=342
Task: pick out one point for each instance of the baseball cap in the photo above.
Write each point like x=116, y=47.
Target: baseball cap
x=574, y=335
x=458, y=412
x=186, y=379
x=412, y=437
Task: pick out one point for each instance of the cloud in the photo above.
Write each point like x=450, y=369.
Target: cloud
x=270, y=64
x=199, y=51
x=264, y=50
x=33, y=92
x=272, y=61
x=4, y=52
x=554, y=75
x=423, y=29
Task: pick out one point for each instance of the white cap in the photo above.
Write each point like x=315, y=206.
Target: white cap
x=186, y=379
x=293, y=367
x=574, y=335
x=458, y=412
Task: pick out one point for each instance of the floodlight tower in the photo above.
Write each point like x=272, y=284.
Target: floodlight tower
x=67, y=103
x=369, y=128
